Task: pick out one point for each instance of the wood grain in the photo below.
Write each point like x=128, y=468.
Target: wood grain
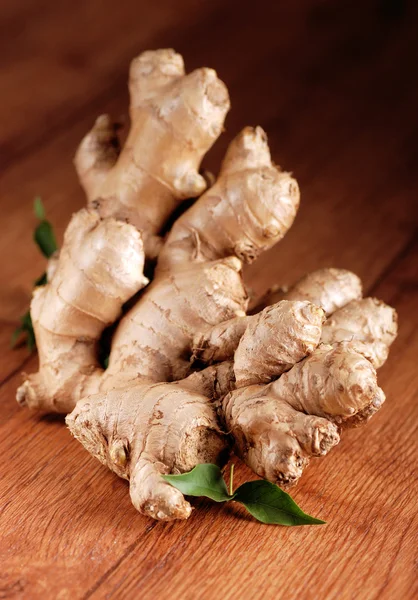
x=334, y=86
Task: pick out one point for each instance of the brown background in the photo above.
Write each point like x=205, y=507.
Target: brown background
x=335, y=86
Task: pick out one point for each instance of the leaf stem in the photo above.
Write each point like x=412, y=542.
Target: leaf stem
x=231, y=480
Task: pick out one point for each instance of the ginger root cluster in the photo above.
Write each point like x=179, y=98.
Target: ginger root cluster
x=190, y=372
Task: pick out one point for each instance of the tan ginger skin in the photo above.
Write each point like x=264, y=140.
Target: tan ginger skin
x=189, y=369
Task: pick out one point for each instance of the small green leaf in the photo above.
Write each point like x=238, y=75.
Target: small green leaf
x=26, y=321
x=15, y=336
x=45, y=238
x=38, y=208
x=25, y=328
x=203, y=480
x=269, y=504
x=42, y=280
x=263, y=500
x=30, y=340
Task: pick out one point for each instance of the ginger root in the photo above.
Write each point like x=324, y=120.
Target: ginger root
x=190, y=372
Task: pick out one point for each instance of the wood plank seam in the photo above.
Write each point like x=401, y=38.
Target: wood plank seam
x=113, y=568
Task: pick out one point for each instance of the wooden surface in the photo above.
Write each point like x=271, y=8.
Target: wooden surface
x=334, y=84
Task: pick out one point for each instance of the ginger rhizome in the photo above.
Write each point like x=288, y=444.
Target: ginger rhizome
x=190, y=373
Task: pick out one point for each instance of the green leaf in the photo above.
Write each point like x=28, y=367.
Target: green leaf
x=15, y=336
x=45, y=238
x=26, y=327
x=38, y=208
x=203, y=480
x=30, y=340
x=269, y=504
x=42, y=280
x=263, y=500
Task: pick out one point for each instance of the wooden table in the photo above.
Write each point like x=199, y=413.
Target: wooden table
x=334, y=84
